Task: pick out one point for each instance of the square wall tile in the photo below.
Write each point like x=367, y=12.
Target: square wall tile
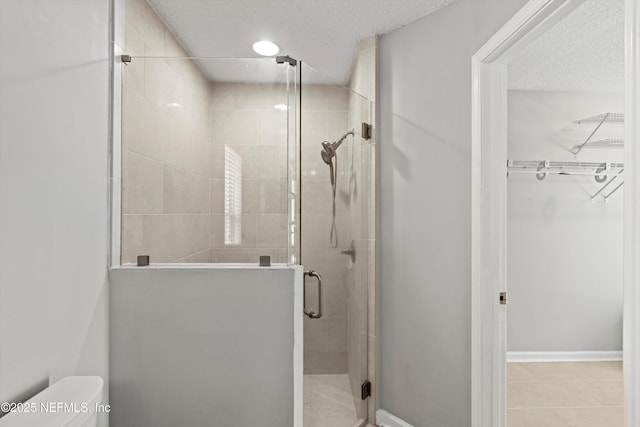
x=142, y=126
x=223, y=96
x=337, y=334
x=325, y=363
x=271, y=231
x=142, y=185
x=259, y=96
x=264, y=196
x=141, y=17
x=272, y=127
x=185, y=192
x=133, y=72
x=234, y=127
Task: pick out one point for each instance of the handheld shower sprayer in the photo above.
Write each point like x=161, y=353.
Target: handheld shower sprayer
x=329, y=148
x=328, y=154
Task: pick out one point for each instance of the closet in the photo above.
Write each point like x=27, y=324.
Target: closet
x=564, y=223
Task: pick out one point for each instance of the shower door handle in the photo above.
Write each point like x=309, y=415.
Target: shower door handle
x=312, y=314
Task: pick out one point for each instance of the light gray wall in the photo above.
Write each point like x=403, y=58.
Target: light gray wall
x=203, y=348
x=564, y=252
x=425, y=191
x=53, y=192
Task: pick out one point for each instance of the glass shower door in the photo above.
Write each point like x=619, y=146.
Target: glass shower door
x=335, y=243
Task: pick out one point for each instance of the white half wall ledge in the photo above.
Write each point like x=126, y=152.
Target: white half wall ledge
x=564, y=356
x=385, y=419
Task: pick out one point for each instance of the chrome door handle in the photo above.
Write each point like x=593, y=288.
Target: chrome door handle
x=312, y=314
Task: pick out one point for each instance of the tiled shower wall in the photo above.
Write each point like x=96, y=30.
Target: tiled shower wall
x=246, y=126
x=179, y=133
x=166, y=150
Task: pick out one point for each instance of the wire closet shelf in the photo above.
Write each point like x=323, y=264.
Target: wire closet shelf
x=605, y=173
x=601, y=119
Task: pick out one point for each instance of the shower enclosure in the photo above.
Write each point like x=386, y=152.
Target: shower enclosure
x=225, y=160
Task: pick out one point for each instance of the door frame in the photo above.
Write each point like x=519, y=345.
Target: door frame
x=489, y=206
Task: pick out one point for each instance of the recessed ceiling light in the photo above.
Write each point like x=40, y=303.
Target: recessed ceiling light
x=266, y=48
x=281, y=107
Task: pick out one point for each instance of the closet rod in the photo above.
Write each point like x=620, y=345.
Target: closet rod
x=542, y=168
x=545, y=164
x=556, y=172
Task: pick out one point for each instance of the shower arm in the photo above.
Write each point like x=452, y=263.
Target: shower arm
x=341, y=140
x=331, y=147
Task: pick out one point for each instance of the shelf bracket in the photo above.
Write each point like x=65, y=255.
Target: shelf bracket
x=576, y=150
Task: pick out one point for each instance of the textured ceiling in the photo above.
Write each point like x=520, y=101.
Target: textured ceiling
x=583, y=52
x=323, y=33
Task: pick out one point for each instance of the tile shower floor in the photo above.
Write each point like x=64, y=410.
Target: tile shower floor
x=581, y=394
x=328, y=401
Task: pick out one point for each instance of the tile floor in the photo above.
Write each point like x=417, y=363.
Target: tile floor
x=328, y=401
x=569, y=394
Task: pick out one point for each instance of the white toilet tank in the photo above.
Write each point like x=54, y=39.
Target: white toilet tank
x=71, y=402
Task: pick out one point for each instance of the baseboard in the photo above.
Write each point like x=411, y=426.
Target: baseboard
x=563, y=356
x=385, y=419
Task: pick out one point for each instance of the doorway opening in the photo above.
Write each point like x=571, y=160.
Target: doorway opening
x=532, y=238
x=565, y=192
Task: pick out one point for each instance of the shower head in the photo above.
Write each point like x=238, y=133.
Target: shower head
x=328, y=151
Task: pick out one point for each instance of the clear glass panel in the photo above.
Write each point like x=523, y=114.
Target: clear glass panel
x=335, y=212
x=293, y=164
x=205, y=152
